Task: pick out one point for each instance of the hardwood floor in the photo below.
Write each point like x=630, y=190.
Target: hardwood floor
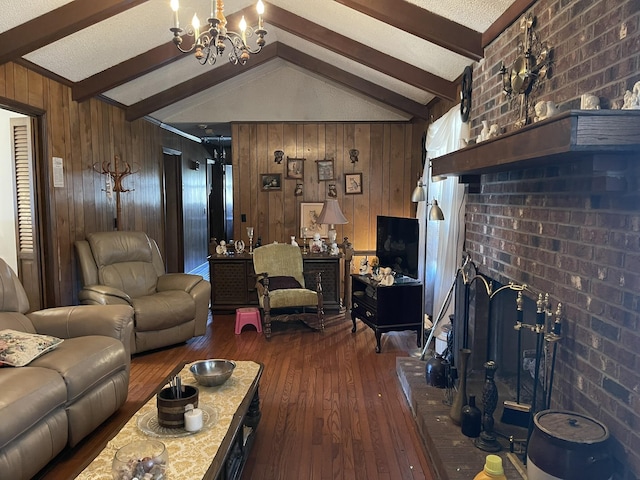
x=331, y=407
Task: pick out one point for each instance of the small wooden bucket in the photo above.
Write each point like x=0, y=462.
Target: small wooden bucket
x=171, y=409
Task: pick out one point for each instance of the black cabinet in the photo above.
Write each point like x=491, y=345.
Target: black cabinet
x=233, y=280
x=387, y=308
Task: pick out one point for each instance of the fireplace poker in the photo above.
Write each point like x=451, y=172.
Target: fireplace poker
x=539, y=329
x=515, y=413
x=518, y=327
x=554, y=337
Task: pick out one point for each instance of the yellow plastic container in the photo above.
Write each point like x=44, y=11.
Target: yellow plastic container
x=492, y=469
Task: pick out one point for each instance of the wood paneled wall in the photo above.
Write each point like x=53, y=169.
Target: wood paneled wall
x=84, y=134
x=389, y=160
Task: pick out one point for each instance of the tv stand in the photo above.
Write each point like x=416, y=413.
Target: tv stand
x=387, y=308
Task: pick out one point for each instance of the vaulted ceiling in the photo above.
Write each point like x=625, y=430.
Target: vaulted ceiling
x=325, y=60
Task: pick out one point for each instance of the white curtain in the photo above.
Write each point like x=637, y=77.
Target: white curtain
x=443, y=240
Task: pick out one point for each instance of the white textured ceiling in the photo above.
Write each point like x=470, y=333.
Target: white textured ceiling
x=276, y=90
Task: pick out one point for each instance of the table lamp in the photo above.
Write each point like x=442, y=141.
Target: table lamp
x=332, y=215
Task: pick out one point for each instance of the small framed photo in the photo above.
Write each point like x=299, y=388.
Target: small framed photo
x=352, y=183
x=325, y=170
x=309, y=213
x=295, y=168
x=271, y=181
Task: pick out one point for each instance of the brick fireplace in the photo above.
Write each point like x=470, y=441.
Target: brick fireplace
x=563, y=216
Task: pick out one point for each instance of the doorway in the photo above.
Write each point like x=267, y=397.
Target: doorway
x=173, y=215
x=19, y=227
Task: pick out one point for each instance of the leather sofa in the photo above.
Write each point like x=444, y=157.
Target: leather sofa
x=60, y=397
x=126, y=268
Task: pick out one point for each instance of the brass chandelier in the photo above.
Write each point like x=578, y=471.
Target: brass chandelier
x=210, y=43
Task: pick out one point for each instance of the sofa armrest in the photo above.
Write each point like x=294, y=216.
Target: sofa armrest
x=114, y=321
x=103, y=295
x=178, y=281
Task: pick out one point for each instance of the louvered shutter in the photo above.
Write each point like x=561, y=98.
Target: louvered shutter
x=23, y=161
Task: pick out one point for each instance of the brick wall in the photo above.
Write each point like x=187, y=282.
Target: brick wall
x=545, y=227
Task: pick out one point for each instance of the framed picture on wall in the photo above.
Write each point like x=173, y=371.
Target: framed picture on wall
x=325, y=170
x=352, y=183
x=271, y=182
x=309, y=213
x=295, y=168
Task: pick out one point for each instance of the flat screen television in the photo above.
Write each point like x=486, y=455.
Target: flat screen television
x=397, y=244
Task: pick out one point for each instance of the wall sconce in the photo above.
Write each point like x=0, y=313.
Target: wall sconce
x=333, y=192
x=195, y=165
x=353, y=155
x=277, y=156
x=298, y=191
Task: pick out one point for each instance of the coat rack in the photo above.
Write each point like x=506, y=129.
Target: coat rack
x=114, y=181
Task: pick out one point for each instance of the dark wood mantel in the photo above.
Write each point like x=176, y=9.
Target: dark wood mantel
x=565, y=136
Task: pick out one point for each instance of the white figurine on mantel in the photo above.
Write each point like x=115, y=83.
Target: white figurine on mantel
x=334, y=249
x=632, y=98
x=544, y=110
x=293, y=241
x=488, y=132
x=588, y=101
x=484, y=133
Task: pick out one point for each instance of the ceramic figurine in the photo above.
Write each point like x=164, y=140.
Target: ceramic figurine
x=316, y=244
x=484, y=133
x=386, y=277
x=544, y=110
x=364, y=266
x=334, y=249
x=494, y=131
x=632, y=98
x=293, y=241
x=221, y=249
x=589, y=101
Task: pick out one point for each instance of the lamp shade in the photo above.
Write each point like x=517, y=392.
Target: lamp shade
x=331, y=213
x=435, y=212
x=418, y=194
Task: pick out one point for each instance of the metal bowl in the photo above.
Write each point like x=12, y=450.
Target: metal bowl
x=212, y=373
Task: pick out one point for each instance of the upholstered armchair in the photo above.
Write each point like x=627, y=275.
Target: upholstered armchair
x=281, y=286
x=126, y=268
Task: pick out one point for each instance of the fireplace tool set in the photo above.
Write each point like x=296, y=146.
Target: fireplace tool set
x=540, y=362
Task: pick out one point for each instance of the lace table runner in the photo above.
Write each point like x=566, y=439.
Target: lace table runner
x=189, y=456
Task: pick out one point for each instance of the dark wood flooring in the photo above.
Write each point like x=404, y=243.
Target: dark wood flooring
x=331, y=407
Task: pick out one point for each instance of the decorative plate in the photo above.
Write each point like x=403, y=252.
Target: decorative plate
x=148, y=423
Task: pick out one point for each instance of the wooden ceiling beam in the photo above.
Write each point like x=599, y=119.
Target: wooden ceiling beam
x=58, y=23
x=210, y=78
x=139, y=65
x=353, y=82
x=360, y=53
x=423, y=24
x=504, y=21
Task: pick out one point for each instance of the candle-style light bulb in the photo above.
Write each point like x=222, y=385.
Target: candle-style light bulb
x=175, y=5
x=260, y=10
x=243, y=29
x=195, y=23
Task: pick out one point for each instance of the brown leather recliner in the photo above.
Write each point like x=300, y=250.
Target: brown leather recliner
x=126, y=268
x=58, y=398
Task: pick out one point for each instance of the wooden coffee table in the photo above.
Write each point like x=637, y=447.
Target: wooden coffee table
x=219, y=451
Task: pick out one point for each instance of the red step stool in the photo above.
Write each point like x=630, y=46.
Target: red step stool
x=248, y=316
